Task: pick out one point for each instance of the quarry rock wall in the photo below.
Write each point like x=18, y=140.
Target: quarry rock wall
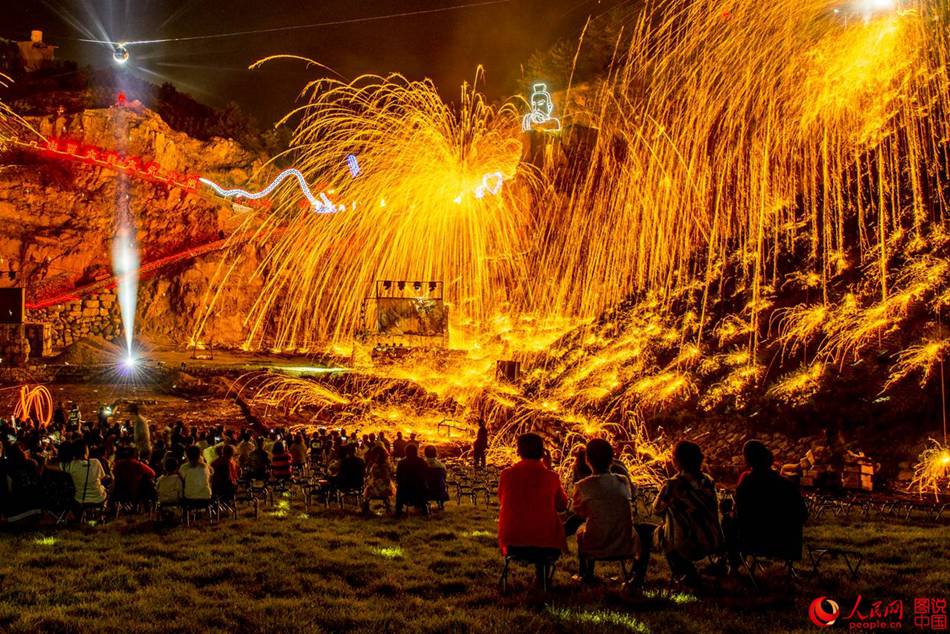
x=59, y=217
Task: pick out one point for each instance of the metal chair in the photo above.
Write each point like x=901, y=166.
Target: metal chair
x=548, y=564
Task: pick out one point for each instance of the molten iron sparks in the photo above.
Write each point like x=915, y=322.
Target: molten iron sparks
x=932, y=472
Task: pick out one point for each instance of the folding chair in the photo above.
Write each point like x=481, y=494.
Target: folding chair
x=547, y=562
x=191, y=508
x=343, y=495
x=626, y=575
x=88, y=511
x=853, y=559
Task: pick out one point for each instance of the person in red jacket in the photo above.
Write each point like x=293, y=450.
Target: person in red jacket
x=133, y=479
x=531, y=496
x=224, y=475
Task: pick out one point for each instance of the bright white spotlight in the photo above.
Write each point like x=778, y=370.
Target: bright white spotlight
x=130, y=361
x=120, y=54
x=869, y=7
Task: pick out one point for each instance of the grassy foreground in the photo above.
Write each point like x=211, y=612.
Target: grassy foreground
x=288, y=571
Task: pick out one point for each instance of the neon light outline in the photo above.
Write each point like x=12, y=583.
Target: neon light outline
x=491, y=183
x=537, y=116
x=323, y=205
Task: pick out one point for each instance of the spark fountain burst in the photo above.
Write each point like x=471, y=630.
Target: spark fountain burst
x=748, y=140
x=428, y=204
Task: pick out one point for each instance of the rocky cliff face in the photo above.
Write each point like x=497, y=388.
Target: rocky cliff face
x=58, y=218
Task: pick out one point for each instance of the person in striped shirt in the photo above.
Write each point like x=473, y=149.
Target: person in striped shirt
x=280, y=462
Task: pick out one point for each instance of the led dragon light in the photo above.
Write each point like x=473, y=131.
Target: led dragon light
x=542, y=105
x=319, y=203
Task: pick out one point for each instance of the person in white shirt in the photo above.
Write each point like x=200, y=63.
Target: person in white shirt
x=603, y=501
x=87, y=476
x=170, y=487
x=196, y=475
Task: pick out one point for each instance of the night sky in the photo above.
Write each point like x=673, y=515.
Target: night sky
x=443, y=46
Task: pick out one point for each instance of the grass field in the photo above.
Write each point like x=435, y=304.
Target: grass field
x=288, y=571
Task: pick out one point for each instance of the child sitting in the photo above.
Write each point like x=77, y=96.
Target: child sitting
x=196, y=479
x=170, y=489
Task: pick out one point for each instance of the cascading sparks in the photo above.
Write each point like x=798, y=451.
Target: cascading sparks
x=428, y=204
x=782, y=131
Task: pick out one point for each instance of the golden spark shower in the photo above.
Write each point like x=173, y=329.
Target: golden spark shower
x=739, y=151
x=733, y=140
x=439, y=196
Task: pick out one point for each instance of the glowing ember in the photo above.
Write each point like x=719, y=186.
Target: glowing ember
x=932, y=472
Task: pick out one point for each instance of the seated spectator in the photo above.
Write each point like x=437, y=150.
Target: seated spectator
x=385, y=442
x=157, y=457
x=133, y=481
x=603, y=500
x=438, y=490
x=351, y=471
x=530, y=497
x=690, y=511
x=224, y=475
x=269, y=441
x=379, y=479
x=298, y=453
x=399, y=447
x=87, y=474
x=770, y=511
x=170, y=486
x=280, y=462
x=104, y=452
x=317, y=455
x=196, y=475
x=411, y=477
x=371, y=454
x=258, y=464
x=58, y=489
x=244, y=449
x=25, y=497
x=580, y=469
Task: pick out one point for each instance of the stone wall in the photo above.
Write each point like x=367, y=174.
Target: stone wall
x=14, y=346
x=94, y=315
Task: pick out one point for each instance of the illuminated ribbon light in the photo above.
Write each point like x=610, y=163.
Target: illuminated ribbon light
x=542, y=105
x=353, y=165
x=36, y=403
x=320, y=203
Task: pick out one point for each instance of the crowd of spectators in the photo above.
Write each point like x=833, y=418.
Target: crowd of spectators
x=73, y=465
x=763, y=518
x=59, y=471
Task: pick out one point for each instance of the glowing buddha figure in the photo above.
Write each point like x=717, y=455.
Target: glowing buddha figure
x=541, y=108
